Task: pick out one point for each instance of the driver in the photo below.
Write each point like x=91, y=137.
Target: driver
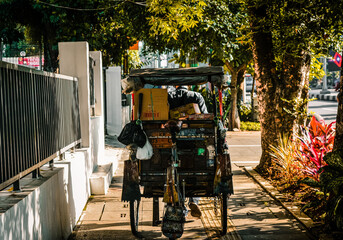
x=180, y=96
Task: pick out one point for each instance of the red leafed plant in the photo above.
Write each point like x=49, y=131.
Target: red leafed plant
x=316, y=141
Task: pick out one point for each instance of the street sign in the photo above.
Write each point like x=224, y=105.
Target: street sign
x=337, y=59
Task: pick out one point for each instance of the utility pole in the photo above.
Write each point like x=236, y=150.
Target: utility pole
x=1, y=47
x=324, y=81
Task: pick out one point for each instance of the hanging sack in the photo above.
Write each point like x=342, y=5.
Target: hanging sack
x=132, y=133
x=139, y=137
x=173, y=221
x=146, y=152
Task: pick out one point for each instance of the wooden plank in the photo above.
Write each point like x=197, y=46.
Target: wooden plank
x=177, y=71
x=178, y=79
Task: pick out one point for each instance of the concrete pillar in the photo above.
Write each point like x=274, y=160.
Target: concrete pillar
x=74, y=61
x=113, y=95
x=97, y=121
x=324, y=81
x=98, y=84
x=244, y=87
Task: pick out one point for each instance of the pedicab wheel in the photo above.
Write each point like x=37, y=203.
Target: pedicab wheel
x=223, y=210
x=134, y=216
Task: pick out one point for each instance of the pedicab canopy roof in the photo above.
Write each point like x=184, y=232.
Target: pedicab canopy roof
x=173, y=76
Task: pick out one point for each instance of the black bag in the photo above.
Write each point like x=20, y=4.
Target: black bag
x=173, y=222
x=132, y=133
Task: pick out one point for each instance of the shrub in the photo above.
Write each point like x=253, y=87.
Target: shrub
x=285, y=160
x=250, y=126
x=331, y=180
x=309, y=159
x=245, y=113
x=331, y=183
x=315, y=141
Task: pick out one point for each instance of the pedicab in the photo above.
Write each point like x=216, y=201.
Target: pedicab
x=190, y=157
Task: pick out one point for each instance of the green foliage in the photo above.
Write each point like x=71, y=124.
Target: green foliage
x=250, y=126
x=331, y=180
x=108, y=27
x=311, y=182
x=134, y=60
x=14, y=49
x=170, y=17
x=214, y=36
x=317, y=70
x=332, y=175
x=298, y=25
x=245, y=112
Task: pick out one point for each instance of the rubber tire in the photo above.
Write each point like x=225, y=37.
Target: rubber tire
x=223, y=210
x=134, y=216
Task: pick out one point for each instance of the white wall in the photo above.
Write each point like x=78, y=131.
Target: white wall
x=98, y=82
x=97, y=140
x=47, y=208
x=74, y=61
x=97, y=122
x=113, y=98
x=126, y=115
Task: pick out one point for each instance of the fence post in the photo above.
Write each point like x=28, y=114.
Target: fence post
x=51, y=164
x=36, y=173
x=16, y=185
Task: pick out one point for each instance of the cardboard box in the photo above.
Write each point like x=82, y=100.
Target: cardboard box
x=184, y=111
x=159, y=138
x=155, y=104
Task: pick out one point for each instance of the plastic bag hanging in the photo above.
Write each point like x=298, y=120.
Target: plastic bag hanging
x=146, y=152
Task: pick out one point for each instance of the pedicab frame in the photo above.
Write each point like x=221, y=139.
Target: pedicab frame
x=202, y=179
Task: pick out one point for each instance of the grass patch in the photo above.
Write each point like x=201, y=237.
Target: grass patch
x=250, y=126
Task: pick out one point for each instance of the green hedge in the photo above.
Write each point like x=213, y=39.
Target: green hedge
x=250, y=126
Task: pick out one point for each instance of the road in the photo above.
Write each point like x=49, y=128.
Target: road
x=326, y=109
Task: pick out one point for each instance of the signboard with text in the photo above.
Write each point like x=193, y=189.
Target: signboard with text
x=30, y=61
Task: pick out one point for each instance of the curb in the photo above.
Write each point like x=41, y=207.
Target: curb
x=295, y=211
x=327, y=97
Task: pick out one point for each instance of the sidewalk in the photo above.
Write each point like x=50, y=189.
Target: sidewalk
x=331, y=94
x=253, y=214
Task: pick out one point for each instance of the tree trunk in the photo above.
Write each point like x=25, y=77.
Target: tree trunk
x=232, y=117
x=265, y=70
x=275, y=86
x=234, y=121
x=338, y=144
x=240, y=84
x=50, y=55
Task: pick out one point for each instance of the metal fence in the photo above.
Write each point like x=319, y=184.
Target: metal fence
x=39, y=119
